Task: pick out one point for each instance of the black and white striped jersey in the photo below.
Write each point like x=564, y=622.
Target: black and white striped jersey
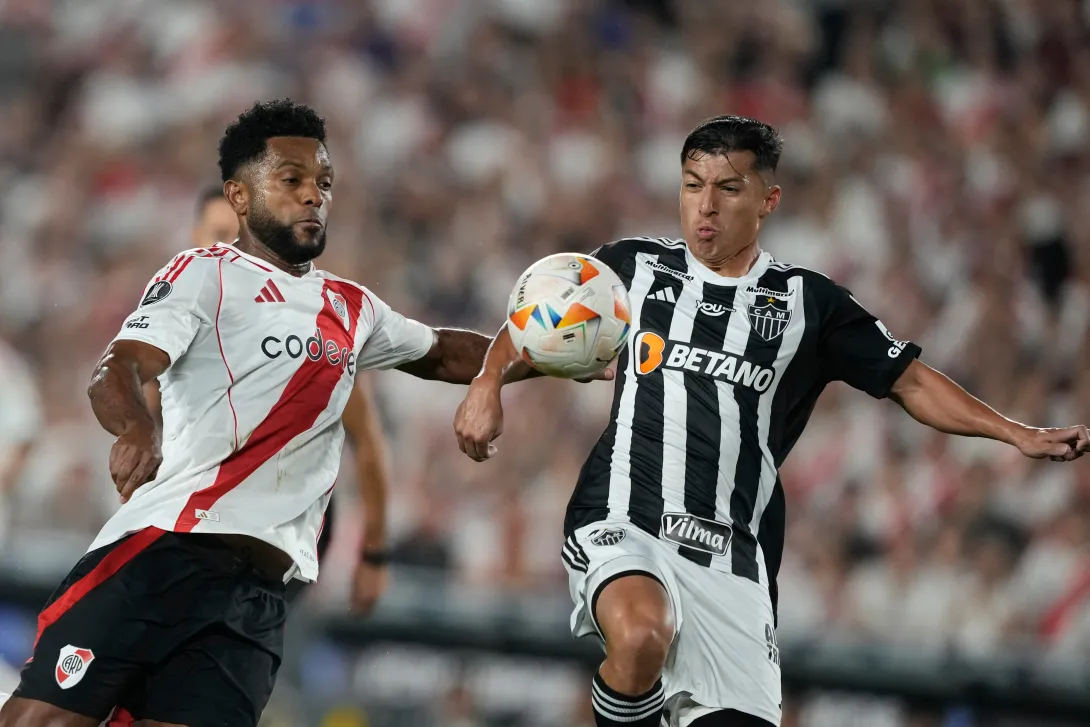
x=713, y=389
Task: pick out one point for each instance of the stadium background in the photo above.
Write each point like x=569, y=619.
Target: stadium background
x=936, y=160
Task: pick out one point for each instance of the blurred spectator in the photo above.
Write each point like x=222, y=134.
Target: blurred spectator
x=20, y=421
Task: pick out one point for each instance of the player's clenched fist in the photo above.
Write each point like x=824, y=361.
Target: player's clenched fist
x=135, y=459
x=479, y=420
x=1059, y=444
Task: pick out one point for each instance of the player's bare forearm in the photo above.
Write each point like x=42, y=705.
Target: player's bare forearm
x=115, y=389
x=456, y=357
x=369, y=448
x=502, y=364
x=933, y=399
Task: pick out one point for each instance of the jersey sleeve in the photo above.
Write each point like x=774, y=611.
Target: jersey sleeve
x=176, y=303
x=394, y=339
x=614, y=254
x=856, y=348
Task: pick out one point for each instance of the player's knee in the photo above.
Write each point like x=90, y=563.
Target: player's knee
x=641, y=637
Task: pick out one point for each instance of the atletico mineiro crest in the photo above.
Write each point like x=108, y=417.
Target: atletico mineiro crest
x=769, y=316
x=604, y=538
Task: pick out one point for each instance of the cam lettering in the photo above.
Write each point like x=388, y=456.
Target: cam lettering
x=315, y=347
x=720, y=365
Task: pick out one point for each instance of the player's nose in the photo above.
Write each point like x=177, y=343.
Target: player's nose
x=709, y=203
x=311, y=194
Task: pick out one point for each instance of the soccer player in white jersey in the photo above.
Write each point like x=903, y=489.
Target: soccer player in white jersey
x=217, y=222
x=177, y=610
x=675, y=529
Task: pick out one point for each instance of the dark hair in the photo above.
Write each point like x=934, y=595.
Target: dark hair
x=245, y=139
x=723, y=134
x=208, y=195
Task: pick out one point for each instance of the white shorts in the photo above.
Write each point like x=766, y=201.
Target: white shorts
x=724, y=654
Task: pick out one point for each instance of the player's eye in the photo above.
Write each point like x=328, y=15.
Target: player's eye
x=291, y=180
x=326, y=185
x=732, y=188
x=692, y=185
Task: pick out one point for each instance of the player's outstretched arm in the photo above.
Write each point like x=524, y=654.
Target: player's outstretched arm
x=933, y=399
x=118, y=402
x=479, y=419
x=372, y=474
x=455, y=356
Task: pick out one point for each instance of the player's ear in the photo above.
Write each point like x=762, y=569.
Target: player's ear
x=237, y=196
x=772, y=201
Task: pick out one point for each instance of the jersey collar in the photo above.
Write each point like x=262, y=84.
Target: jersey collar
x=265, y=263
x=704, y=274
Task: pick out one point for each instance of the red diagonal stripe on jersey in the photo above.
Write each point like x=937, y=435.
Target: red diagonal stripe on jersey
x=171, y=267
x=271, y=286
x=114, y=561
x=174, y=276
x=304, y=398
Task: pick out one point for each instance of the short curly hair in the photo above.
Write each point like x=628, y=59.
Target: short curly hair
x=245, y=139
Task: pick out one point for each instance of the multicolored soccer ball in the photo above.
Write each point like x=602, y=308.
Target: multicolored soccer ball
x=568, y=315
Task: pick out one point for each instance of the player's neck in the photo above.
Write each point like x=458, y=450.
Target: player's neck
x=252, y=246
x=733, y=264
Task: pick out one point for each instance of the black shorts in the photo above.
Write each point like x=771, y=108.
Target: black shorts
x=296, y=586
x=176, y=628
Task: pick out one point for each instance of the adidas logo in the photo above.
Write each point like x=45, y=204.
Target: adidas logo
x=666, y=294
x=269, y=294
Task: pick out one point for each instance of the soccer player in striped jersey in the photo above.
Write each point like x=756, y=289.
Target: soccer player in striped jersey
x=216, y=222
x=676, y=526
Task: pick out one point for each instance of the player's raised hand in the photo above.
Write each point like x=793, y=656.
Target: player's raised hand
x=1058, y=444
x=479, y=420
x=135, y=459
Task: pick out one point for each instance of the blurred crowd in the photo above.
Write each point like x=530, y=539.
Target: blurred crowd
x=936, y=164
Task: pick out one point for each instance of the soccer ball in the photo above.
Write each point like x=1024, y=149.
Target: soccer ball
x=568, y=315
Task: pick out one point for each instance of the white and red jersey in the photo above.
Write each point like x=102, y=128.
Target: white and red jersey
x=262, y=364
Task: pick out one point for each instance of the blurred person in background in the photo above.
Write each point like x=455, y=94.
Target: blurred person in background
x=675, y=530
x=20, y=421
x=217, y=223
x=176, y=613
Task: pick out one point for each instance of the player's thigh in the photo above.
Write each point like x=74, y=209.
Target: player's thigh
x=223, y=676
x=217, y=680
x=102, y=627
x=21, y=712
x=726, y=657
x=633, y=609
x=619, y=581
